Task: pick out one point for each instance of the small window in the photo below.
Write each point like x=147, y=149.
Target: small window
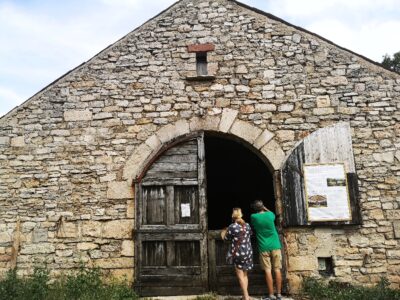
x=325, y=266
x=201, y=63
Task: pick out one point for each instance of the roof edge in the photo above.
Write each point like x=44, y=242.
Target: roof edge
x=273, y=17
x=12, y=111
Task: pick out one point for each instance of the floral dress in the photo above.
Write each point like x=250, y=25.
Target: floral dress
x=240, y=247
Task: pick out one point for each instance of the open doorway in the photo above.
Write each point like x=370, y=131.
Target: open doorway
x=235, y=177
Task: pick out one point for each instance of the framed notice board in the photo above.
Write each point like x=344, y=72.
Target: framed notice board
x=326, y=192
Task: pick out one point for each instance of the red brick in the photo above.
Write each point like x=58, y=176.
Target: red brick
x=201, y=48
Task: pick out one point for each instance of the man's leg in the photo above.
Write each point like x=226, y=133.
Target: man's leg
x=265, y=261
x=278, y=278
x=270, y=282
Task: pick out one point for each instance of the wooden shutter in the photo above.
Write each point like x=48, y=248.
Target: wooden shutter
x=328, y=145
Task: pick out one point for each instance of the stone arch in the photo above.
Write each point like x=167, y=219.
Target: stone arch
x=225, y=123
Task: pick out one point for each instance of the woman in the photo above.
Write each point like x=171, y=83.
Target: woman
x=240, y=252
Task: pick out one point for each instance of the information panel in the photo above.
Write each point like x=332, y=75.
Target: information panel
x=327, y=196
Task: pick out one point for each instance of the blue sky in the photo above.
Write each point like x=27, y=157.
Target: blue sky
x=40, y=40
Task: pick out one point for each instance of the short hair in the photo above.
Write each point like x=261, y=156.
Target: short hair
x=258, y=205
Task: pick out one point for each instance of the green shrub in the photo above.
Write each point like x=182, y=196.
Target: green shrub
x=86, y=284
x=333, y=290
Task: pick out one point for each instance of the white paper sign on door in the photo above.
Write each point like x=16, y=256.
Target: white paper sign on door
x=185, y=210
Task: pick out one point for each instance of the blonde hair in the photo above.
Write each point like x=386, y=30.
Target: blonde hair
x=237, y=216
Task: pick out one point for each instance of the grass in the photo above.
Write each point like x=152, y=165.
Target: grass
x=316, y=289
x=86, y=284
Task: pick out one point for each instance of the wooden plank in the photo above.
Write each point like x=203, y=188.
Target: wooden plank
x=167, y=271
x=172, y=280
x=187, y=195
x=175, y=182
x=293, y=196
x=171, y=235
x=173, y=167
x=171, y=175
x=177, y=228
x=154, y=200
x=170, y=206
x=330, y=144
x=154, y=253
x=202, y=208
x=187, y=253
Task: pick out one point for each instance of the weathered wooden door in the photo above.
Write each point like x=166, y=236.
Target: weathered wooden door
x=171, y=241
x=222, y=275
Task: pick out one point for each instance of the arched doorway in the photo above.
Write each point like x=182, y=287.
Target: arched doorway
x=235, y=177
x=183, y=199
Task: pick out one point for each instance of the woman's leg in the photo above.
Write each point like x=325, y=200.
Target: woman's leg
x=244, y=282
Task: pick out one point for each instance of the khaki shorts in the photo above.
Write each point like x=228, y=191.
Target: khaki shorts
x=275, y=256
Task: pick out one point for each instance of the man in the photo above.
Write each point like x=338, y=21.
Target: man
x=269, y=246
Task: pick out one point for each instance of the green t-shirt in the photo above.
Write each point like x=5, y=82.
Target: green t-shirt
x=264, y=226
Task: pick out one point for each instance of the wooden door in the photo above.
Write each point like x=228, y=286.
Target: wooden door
x=171, y=241
x=222, y=275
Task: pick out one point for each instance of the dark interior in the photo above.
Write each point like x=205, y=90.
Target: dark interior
x=235, y=177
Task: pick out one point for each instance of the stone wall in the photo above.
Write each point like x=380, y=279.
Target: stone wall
x=65, y=189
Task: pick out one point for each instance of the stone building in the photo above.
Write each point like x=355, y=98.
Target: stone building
x=132, y=161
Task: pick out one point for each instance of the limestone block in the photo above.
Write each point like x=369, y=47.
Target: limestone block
x=323, y=111
x=127, y=248
x=323, y=101
x=207, y=123
x=227, y=119
x=245, y=130
x=114, y=263
x=64, y=253
x=41, y=248
x=384, y=157
x=78, y=115
x=285, y=135
x=86, y=246
x=269, y=74
x=242, y=88
x=396, y=229
x=123, y=274
x=171, y=131
x=296, y=38
x=119, y=229
x=294, y=283
x=130, y=209
x=136, y=162
x=393, y=254
x=153, y=142
x=274, y=154
x=39, y=235
x=119, y=190
x=4, y=140
x=286, y=107
x=18, y=141
x=334, y=81
x=359, y=241
x=91, y=228
x=67, y=230
x=5, y=237
x=264, y=138
x=348, y=110
x=265, y=107
x=242, y=69
x=302, y=263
